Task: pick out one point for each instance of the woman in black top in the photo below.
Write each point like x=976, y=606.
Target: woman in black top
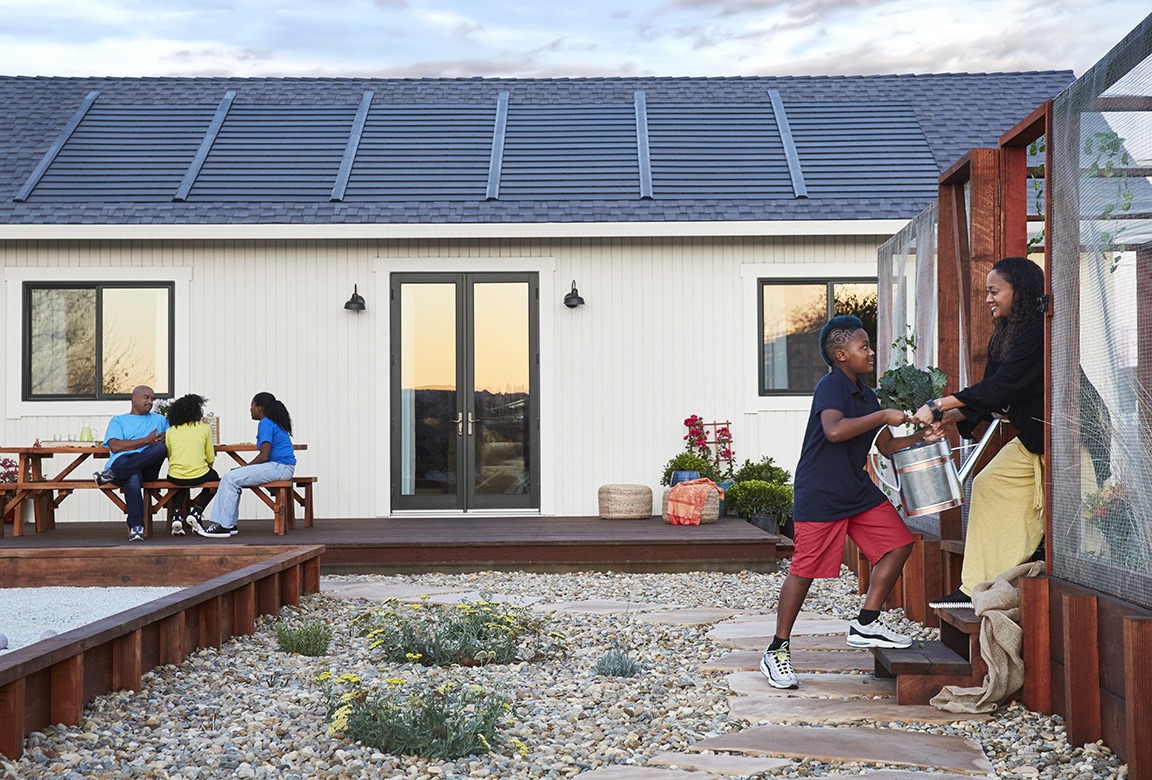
x=1006, y=516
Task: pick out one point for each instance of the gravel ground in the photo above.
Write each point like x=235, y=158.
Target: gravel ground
x=249, y=710
x=27, y=613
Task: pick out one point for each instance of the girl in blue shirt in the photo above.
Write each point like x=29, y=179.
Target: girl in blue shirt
x=275, y=461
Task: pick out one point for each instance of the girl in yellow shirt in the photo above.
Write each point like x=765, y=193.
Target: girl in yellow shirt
x=190, y=459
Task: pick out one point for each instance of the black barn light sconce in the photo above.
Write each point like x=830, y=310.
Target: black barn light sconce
x=573, y=299
x=356, y=302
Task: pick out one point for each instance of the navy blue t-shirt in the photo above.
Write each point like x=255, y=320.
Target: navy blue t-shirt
x=831, y=483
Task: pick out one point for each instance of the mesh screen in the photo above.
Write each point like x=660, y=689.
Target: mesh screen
x=1101, y=357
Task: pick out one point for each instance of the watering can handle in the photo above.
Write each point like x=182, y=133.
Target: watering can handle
x=872, y=456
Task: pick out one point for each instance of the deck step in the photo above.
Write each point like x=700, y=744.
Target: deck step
x=960, y=631
x=923, y=669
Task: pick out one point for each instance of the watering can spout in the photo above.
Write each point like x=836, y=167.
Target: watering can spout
x=974, y=456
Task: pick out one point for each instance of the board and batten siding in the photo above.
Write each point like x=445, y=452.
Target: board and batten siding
x=664, y=334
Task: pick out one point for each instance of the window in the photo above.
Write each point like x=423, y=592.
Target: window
x=97, y=340
x=791, y=314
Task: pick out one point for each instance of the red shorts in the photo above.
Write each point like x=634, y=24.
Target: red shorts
x=819, y=547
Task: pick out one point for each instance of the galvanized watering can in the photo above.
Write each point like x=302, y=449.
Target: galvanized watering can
x=926, y=475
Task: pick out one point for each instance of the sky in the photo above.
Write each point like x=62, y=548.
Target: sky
x=519, y=38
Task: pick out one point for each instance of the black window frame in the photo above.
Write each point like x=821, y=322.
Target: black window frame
x=98, y=286
x=830, y=303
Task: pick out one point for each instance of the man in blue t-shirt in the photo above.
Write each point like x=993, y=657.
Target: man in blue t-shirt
x=136, y=449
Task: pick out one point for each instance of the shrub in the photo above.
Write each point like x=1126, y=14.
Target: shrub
x=307, y=639
x=757, y=497
x=617, y=663
x=444, y=722
x=766, y=471
x=687, y=461
x=468, y=634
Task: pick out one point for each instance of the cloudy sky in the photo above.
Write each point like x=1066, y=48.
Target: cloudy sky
x=541, y=38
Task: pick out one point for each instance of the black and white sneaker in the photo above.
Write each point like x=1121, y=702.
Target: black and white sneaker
x=216, y=531
x=177, y=525
x=957, y=599
x=776, y=665
x=136, y=533
x=103, y=477
x=875, y=634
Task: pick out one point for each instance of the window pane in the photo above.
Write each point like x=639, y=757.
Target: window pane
x=63, y=343
x=793, y=317
x=135, y=339
x=859, y=300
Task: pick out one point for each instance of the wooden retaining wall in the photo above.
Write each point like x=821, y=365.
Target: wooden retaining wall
x=50, y=681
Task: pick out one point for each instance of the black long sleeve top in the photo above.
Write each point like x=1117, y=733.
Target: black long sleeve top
x=1014, y=387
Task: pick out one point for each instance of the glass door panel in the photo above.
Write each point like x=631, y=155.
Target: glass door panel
x=429, y=409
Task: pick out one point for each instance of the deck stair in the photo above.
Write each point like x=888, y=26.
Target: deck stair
x=926, y=667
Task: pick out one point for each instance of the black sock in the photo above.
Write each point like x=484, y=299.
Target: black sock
x=867, y=616
x=777, y=643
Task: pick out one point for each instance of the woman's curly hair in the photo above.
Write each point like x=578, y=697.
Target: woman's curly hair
x=1027, y=282
x=186, y=409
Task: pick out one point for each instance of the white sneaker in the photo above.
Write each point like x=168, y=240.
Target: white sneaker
x=776, y=665
x=177, y=527
x=875, y=634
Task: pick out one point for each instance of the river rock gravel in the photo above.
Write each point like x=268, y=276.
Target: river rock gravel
x=248, y=710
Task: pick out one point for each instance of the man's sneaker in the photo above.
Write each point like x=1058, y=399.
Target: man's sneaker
x=776, y=665
x=103, y=477
x=136, y=533
x=218, y=531
x=957, y=599
x=177, y=524
x=875, y=634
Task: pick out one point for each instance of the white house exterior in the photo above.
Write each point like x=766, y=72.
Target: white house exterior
x=254, y=281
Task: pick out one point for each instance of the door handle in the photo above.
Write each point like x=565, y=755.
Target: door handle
x=459, y=423
x=471, y=421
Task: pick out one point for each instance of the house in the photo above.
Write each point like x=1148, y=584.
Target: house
x=219, y=236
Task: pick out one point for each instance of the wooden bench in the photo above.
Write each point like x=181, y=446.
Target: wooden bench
x=281, y=497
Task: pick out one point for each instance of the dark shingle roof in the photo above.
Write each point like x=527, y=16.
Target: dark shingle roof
x=455, y=151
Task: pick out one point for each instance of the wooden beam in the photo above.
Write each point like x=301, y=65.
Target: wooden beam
x=1035, y=621
x=172, y=649
x=1029, y=128
x=984, y=248
x=12, y=706
x=1138, y=697
x=290, y=586
x=244, y=609
x=127, y=662
x=208, y=622
x=66, y=681
x=1081, y=669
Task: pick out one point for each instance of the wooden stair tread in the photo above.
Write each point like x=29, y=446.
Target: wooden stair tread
x=964, y=620
x=952, y=546
x=931, y=657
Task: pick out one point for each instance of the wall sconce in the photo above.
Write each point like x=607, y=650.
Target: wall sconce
x=356, y=302
x=573, y=299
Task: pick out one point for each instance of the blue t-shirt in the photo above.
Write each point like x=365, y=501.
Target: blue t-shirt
x=282, y=451
x=133, y=426
x=831, y=483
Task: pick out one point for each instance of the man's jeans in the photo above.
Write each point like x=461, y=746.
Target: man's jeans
x=226, y=512
x=131, y=471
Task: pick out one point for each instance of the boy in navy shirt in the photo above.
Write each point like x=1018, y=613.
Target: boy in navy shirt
x=834, y=497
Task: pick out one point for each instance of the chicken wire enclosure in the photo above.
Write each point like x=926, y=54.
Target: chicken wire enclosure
x=906, y=287
x=1100, y=457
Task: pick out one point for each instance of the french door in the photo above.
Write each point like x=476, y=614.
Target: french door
x=465, y=377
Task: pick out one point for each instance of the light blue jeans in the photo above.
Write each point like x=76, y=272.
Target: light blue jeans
x=226, y=511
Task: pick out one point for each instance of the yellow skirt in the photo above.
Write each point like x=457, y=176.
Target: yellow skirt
x=1006, y=517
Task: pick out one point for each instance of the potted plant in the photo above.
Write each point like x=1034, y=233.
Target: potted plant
x=8, y=476
x=767, y=505
x=686, y=466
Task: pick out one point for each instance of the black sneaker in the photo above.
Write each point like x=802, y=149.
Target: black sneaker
x=217, y=531
x=193, y=520
x=177, y=523
x=104, y=477
x=956, y=600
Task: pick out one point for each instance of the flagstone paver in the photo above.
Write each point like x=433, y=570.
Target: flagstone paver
x=774, y=709
x=731, y=628
x=835, y=686
x=802, y=660
x=687, y=617
x=603, y=606
x=459, y=597
x=900, y=774
x=858, y=743
x=379, y=591
x=758, y=616
x=802, y=642
x=719, y=763
x=642, y=773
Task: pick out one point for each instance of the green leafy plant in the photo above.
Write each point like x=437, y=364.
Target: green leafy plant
x=469, y=634
x=688, y=461
x=1109, y=161
x=765, y=470
x=616, y=663
x=757, y=497
x=307, y=639
x=445, y=722
x=904, y=386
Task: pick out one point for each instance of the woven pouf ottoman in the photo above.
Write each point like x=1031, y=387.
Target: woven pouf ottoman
x=708, y=514
x=625, y=502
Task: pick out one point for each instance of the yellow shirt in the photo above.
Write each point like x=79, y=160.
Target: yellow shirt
x=190, y=452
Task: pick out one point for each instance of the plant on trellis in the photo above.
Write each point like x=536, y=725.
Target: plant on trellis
x=711, y=441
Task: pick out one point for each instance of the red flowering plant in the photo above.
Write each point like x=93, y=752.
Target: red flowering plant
x=716, y=450
x=9, y=473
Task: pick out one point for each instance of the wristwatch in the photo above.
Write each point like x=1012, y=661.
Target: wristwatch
x=937, y=412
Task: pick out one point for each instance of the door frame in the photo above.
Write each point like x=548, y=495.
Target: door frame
x=378, y=344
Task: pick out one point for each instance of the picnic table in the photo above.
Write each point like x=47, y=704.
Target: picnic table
x=46, y=490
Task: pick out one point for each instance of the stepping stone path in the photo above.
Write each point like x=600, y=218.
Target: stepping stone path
x=832, y=700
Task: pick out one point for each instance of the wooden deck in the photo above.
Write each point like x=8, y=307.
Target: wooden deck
x=413, y=544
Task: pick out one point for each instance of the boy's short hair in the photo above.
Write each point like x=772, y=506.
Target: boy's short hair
x=837, y=332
